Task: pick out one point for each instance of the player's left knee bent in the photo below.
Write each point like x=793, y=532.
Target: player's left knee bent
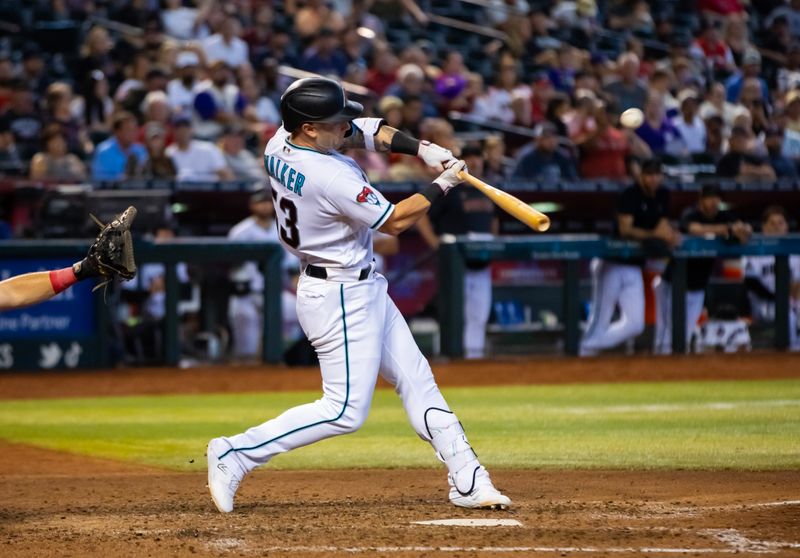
x=352, y=419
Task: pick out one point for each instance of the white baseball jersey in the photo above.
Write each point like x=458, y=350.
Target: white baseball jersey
x=762, y=268
x=325, y=205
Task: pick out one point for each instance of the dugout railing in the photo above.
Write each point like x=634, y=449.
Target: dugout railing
x=169, y=253
x=571, y=249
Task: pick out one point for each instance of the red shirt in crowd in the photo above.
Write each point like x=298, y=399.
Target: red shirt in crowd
x=722, y=7
x=605, y=158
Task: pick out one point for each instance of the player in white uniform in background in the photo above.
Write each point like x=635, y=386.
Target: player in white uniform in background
x=760, y=278
x=327, y=212
x=245, y=307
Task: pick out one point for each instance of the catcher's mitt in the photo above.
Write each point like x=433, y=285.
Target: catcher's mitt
x=111, y=254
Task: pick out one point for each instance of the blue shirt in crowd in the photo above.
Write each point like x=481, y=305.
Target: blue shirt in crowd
x=110, y=160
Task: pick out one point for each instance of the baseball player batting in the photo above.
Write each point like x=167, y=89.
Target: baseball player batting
x=326, y=214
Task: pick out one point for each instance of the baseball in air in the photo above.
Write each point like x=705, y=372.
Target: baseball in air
x=632, y=118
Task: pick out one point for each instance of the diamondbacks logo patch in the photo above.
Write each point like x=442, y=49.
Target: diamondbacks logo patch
x=368, y=196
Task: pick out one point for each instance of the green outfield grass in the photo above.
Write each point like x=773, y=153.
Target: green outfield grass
x=673, y=425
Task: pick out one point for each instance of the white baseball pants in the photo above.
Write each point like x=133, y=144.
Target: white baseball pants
x=662, y=341
x=244, y=315
x=358, y=333
x=477, y=306
x=613, y=284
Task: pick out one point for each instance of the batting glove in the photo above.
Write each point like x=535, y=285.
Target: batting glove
x=449, y=178
x=435, y=156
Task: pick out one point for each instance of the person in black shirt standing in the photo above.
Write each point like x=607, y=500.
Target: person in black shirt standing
x=641, y=215
x=705, y=218
x=466, y=211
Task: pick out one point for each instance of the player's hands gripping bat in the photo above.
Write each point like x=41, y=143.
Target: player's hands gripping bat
x=435, y=156
x=111, y=254
x=517, y=208
x=451, y=177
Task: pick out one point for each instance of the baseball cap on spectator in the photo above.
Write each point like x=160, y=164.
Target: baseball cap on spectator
x=409, y=70
x=710, y=191
x=388, y=103
x=187, y=58
x=153, y=129
x=686, y=94
x=545, y=129
x=260, y=195
x=471, y=151
x=182, y=119
x=652, y=166
x=751, y=57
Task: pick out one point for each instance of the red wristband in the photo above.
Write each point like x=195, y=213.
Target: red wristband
x=62, y=279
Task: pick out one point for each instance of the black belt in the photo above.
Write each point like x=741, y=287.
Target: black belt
x=318, y=272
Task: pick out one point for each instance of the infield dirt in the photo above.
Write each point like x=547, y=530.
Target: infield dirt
x=56, y=504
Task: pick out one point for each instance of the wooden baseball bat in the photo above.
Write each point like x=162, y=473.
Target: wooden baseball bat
x=536, y=220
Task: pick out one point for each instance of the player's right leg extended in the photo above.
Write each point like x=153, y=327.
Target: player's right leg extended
x=404, y=366
x=345, y=325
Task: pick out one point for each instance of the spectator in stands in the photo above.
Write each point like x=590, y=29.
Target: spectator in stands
x=135, y=77
x=183, y=22
x=715, y=139
x=55, y=162
x=218, y=102
x=260, y=110
x=562, y=76
x=792, y=110
x=705, y=219
x=391, y=110
x=710, y=48
x=741, y=162
x=196, y=160
x=258, y=34
x=507, y=101
x=6, y=80
x=752, y=99
x=783, y=167
x=604, y=153
x=313, y=15
x=411, y=83
x=642, y=216
x=58, y=102
x=468, y=213
x=155, y=107
x=95, y=106
x=790, y=11
x=716, y=104
x=628, y=90
x=181, y=89
x=557, y=108
x=413, y=114
x=788, y=75
x=661, y=85
x=690, y=126
x=324, y=56
x=751, y=69
x=631, y=16
x=34, y=74
x=23, y=120
x=10, y=160
x=453, y=80
x=494, y=164
x=111, y=156
x=382, y=73
x=658, y=132
x=157, y=164
x=96, y=55
x=760, y=278
x=227, y=45
x=242, y=162
x=546, y=162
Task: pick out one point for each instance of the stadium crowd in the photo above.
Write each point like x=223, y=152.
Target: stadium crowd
x=532, y=90
x=188, y=89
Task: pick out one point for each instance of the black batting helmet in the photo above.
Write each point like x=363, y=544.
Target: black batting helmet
x=316, y=99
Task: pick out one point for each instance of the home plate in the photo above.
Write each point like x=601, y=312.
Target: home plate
x=472, y=522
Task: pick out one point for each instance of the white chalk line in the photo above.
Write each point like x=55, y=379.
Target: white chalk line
x=672, y=407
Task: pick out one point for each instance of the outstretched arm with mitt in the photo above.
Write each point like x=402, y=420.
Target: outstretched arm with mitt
x=110, y=256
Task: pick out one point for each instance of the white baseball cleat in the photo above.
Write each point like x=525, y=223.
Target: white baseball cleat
x=483, y=494
x=223, y=481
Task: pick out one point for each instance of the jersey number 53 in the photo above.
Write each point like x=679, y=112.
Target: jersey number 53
x=288, y=231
